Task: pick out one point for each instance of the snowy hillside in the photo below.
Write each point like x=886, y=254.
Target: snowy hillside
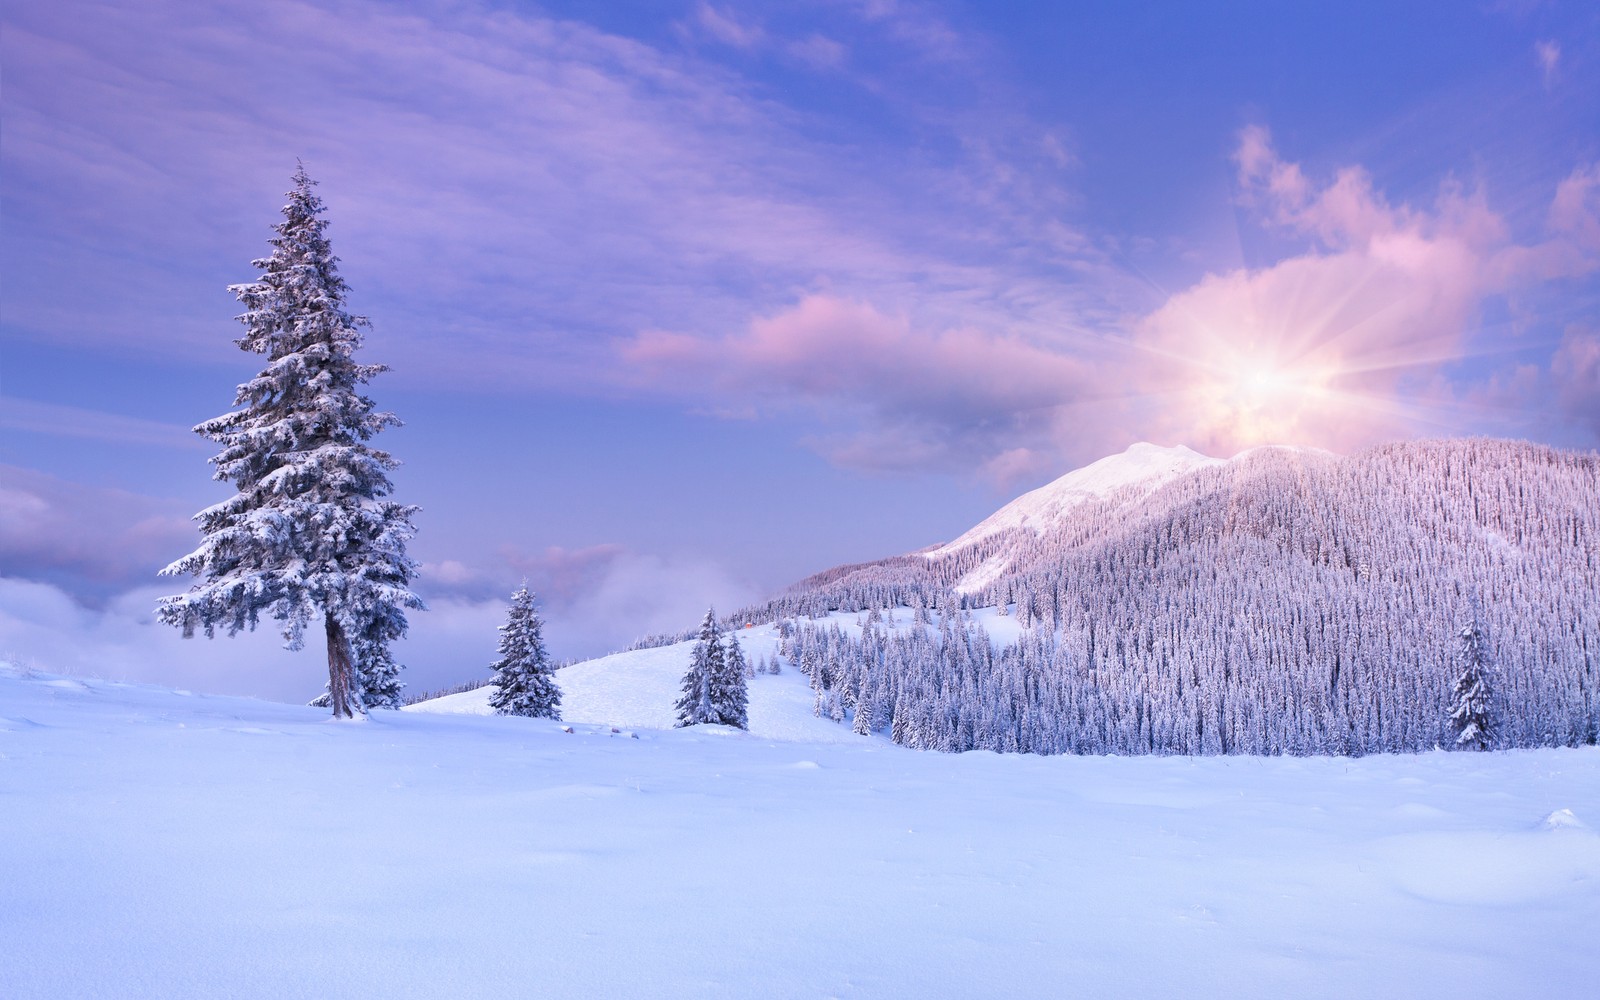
x=1117, y=484
x=1287, y=600
x=637, y=689
x=156, y=844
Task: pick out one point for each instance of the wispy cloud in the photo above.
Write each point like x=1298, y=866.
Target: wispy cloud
x=557, y=573
x=500, y=182
x=594, y=599
x=918, y=26
x=728, y=27
x=74, y=421
x=1548, y=55
x=818, y=51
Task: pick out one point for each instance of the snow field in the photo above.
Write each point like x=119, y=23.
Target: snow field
x=154, y=844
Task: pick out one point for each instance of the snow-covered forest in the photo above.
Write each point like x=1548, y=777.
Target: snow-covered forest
x=1287, y=601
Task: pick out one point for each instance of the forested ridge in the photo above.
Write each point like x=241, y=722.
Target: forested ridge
x=1288, y=601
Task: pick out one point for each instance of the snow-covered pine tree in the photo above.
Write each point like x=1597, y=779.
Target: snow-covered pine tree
x=862, y=725
x=1472, y=702
x=524, y=677
x=730, y=697
x=309, y=532
x=706, y=665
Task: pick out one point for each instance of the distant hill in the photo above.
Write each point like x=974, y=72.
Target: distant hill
x=1284, y=601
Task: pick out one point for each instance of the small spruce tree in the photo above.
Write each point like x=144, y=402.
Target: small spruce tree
x=729, y=694
x=309, y=533
x=1472, y=702
x=714, y=689
x=706, y=665
x=862, y=724
x=377, y=675
x=524, y=678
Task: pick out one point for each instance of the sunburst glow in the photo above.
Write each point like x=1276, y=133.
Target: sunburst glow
x=1257, y=384
x=1253, y=397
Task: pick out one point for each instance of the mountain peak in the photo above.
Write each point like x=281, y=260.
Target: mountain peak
x=1142, y=464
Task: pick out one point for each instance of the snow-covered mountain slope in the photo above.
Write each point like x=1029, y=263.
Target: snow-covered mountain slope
x=1116, y=483
x=160, y=845
x=1285, y=601
x=1130, y=477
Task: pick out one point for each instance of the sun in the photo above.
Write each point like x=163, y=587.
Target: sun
x=1257, y=397
x=1257, y=384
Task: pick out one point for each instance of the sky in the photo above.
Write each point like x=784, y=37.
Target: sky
x=684, y=301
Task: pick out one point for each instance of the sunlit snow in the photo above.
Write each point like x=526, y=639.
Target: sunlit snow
x=1146, y=466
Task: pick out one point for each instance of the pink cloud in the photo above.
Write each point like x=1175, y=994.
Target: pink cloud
x=1575, y=211
x=561, y=574
x=1341, y=345
x=1017, y=465
x=827, y=347
x=917, y=397
x=1576, y=372
x=86, y=537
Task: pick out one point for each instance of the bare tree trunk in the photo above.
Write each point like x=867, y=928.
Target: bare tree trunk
x=339, y=669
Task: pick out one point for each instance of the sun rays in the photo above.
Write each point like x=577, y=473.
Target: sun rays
x=1356, y=338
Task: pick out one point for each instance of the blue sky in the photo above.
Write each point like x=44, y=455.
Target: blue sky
x=684, y=301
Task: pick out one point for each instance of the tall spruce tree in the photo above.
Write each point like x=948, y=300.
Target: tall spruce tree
x=524, y=677
x=309, y=532
x=1472, y=701
x=707, y=665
